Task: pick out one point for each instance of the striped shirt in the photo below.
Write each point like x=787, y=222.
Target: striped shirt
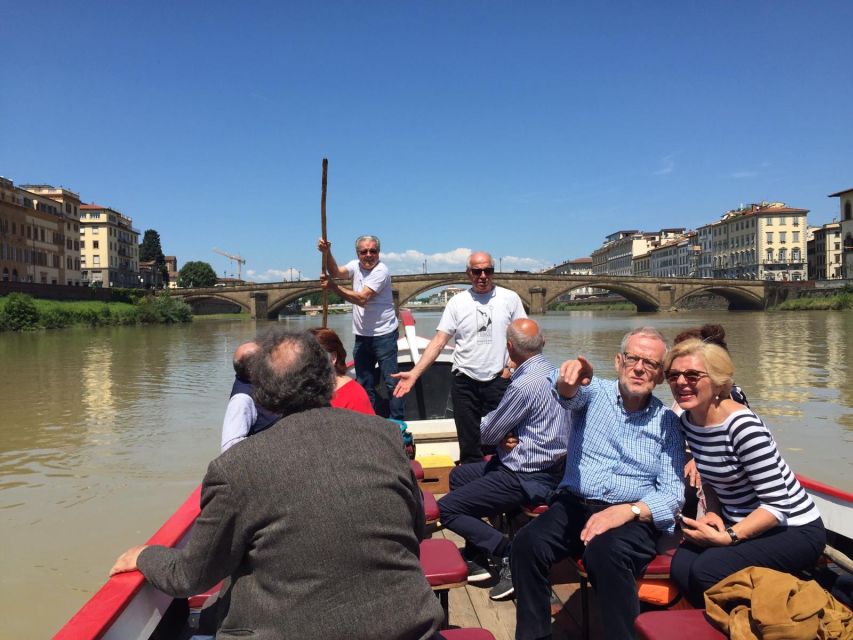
x=739, y=459
x=529, y=410
x=617, y=456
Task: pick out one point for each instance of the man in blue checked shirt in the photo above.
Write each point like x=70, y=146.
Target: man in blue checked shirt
x=531, y=430
x=622, y=488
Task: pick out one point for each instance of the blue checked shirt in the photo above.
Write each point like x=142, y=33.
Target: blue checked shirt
x=529, y=410
x=618, y=456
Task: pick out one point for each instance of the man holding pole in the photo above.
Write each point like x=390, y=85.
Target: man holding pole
x=374, y=320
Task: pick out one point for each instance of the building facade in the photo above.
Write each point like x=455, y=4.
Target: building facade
x=675, y=258
x=825, y=252
x=70, y=206
x=33, y=237
x=109, y=248
x=765, y=241
x=845, y=201
x=616, y=256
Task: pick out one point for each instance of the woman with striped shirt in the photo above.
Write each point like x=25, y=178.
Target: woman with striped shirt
x=767, y=519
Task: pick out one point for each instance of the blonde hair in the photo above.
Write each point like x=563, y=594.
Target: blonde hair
x=718, y=363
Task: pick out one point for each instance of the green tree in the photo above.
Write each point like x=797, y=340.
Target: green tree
x=196, y=274
x=150, y=249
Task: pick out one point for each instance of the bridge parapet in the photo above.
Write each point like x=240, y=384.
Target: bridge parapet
x=536, y=290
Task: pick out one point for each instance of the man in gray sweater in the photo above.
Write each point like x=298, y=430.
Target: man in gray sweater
x=316, y=520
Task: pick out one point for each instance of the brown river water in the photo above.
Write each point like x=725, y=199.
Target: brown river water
x=104, y=432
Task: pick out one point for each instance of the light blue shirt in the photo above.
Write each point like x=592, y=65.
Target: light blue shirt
x=530, y=411
x=617, y=456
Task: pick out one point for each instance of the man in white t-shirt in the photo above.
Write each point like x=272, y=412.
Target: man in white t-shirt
x=374, y=320
x=477, y=319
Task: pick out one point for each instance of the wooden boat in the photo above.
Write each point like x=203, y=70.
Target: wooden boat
x=128, y=608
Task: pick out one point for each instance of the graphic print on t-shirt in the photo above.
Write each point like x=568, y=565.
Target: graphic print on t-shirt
x=484, y=325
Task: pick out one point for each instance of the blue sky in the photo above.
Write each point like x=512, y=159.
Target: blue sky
x=530, y=130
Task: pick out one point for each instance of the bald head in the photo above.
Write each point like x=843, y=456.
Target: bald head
x=524, y=340
x=243, y=356
x=480, y=258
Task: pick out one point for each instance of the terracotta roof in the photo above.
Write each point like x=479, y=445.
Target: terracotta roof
x=580, y=260
x=89, y=207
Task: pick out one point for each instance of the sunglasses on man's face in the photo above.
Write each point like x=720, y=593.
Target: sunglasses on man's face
x=364, y=252
x=478, y=272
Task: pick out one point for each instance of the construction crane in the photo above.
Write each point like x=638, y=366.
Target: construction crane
x=240, y=261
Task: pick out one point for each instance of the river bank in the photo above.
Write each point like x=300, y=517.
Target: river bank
x=21, y=312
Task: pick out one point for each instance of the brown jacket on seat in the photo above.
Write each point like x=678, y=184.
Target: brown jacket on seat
x=762, y=604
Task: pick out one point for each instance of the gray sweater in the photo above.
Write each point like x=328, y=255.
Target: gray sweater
x=317, y=521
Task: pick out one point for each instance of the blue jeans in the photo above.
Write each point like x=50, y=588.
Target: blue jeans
x=369, y=351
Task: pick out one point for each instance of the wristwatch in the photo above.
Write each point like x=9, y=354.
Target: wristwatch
x=636, y=511
x=732, y=535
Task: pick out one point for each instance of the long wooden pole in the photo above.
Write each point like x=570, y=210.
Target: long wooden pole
x=323, y=229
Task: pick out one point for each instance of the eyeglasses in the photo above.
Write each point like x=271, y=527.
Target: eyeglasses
x=478, y=272
x=691, y=376
x=364, y=252
x=631, y=360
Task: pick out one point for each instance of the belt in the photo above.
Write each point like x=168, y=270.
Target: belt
x=588, y=501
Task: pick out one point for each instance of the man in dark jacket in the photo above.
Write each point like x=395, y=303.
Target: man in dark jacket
x=316, y=520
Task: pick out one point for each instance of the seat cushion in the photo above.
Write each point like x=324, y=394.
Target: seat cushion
x=417, y=469
x=676, y=625
x=442, y=563
x=430, y=506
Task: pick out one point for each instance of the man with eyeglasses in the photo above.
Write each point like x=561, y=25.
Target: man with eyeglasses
x=477, y=319
x=621, y=489
x=374, y=320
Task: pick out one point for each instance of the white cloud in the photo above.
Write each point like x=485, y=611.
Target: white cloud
x=667, y=165
x=411, y=261
x=273, y=275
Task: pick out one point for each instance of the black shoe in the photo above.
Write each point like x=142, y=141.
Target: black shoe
x=478, y=570
x=503, y=590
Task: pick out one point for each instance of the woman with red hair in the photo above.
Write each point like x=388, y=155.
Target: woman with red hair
x=349, y=394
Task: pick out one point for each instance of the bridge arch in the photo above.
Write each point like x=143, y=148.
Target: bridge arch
x=286, y=297
x=739, y=299
x=642, y=299
x=195, y=300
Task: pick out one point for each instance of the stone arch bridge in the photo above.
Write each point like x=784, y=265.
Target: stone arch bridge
x=536, y=290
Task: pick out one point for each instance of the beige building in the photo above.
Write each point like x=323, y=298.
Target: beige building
x=643, y=264
x=109, y=248
x=845, y=201
x=33, y=237
x=677, y=257
x=765, y=241
x=70, y=206
x=615, y=257
x=825, y=252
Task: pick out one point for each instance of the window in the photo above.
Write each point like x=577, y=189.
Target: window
x=783, y=255
x=769, y=221
x=796, y=236
x=769, y=236
x=96, y=244
x=82, y=244
x=96, y=261
x=795, y=254
x=96, y=230
x=770, y=255
x=837, y=246
x=783, y=237
x=848, y=214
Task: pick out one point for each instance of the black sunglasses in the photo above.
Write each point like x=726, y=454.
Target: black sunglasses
x=364, y=252
x=691, y=376
x=478, y=272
